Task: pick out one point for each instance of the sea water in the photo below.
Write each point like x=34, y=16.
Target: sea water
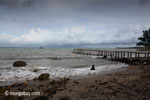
x=40, y=61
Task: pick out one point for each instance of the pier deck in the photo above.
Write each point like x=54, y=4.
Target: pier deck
x=116, y=54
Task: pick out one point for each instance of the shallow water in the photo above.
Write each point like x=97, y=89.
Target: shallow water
x=41, y=60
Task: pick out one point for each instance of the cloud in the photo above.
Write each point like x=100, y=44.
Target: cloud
x=53, y=21
x=74, y=12
x=18, y=3
x=74, y=4
x=144, y=2
x=76, y=36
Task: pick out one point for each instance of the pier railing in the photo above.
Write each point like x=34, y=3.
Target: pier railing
x=113, y=53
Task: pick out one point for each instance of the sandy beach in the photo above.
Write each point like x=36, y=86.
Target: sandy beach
x=130, y=84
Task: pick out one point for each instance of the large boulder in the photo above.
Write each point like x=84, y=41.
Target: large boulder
x=19, y=64
x=44, y=76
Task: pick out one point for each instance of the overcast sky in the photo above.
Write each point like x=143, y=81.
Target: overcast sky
x=86, y=23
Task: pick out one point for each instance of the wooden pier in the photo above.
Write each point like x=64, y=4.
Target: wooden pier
x=115, y=54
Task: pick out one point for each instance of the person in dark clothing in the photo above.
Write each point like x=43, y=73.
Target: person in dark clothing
x=93, y=68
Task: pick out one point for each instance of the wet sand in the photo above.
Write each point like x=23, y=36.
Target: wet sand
x=130, y=84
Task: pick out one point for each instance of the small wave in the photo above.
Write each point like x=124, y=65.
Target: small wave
x=80, y=66
x=38, y=58
x=23, y=73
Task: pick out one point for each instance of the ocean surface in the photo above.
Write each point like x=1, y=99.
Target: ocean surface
x=41, y=61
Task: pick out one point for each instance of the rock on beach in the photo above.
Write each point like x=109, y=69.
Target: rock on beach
x=44, y=76
x=19, y=64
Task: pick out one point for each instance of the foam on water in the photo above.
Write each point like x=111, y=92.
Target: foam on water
x=20, y=74
x=69, y=64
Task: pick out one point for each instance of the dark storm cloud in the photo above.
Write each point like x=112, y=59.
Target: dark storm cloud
x=97, y=21
x=96, y=3
x=145, y=2
x=9, y=3
x=20, y=3
x=79, y=6
x=74, y=10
